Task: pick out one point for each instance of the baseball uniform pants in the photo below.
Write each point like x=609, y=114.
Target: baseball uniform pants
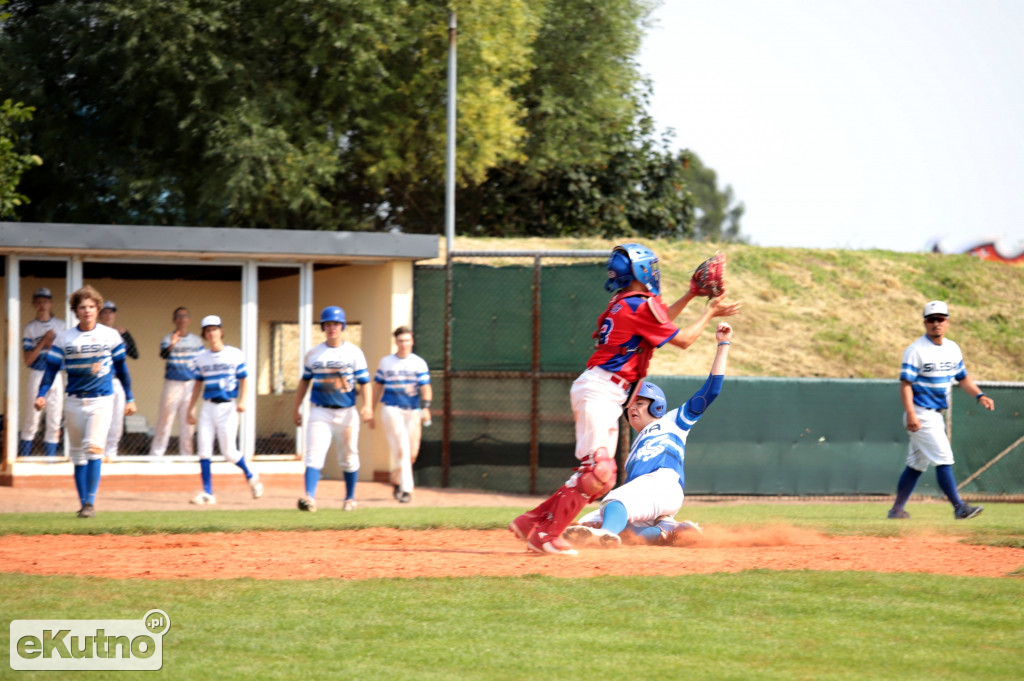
x=929, y=445
x=218, y=420
x=403, y=428
x=174, y=405
x=338, y=425
x=54, y=407
x=88, y=423
x=646, y=498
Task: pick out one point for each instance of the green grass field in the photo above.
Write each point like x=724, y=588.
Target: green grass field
x=748, y=625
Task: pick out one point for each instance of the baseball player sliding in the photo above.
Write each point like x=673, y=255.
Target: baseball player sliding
x=91, y=355
x=653, y=491
x=635, y=322
x=36, y=341
x=219, y=375
x=338, y=372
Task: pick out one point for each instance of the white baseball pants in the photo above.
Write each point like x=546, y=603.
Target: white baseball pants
x=218, y=420
x=338, y=425
x=54, y=407
x=403, y=428
x=173, y=403
x=646, y=498
x=116, y=420
x=88, y=423
x=929, y=445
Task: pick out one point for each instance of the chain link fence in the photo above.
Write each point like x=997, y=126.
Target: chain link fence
x=519, y=330
x=147, y=296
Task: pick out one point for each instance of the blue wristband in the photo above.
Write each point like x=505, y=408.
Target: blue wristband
x=980, y=395
x=725, y=343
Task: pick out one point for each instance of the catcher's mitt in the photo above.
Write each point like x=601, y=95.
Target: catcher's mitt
x=709, y=277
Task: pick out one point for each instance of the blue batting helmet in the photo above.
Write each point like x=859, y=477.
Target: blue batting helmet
x=333, y=313
x=633, y=262
x=658, y=405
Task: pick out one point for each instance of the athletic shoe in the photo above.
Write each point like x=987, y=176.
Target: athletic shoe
x=542, y=542
x=350, y=505
x=307, y=504
x=898, y=515
x=203, y=498
x=521, y=527
x=404, y=497
x=582, y=535
x=256, y=486
x=672, y=531
x=966, y=511
x=397, y=492
x=87, y=511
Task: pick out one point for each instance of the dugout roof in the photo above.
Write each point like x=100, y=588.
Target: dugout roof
x=214, y=243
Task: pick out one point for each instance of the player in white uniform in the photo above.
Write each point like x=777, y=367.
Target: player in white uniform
x=108, y=315
x=36, y=340
x=219, y=374
x=403, y=381
x=653, y=491
x=91, y=354
x=180, y=349
x=338, y=372
x=926, y=377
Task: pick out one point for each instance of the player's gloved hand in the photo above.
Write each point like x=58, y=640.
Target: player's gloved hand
x=709, y=277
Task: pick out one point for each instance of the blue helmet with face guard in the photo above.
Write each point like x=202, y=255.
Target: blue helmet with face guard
x=633, y=262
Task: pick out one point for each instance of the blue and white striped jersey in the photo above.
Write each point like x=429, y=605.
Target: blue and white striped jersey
x=334, y=374
x=34, y=332
x=220, y=372
x=402, y=378
x=182, y=356
x=90, y=359
x=930, y=369
x=662, y=444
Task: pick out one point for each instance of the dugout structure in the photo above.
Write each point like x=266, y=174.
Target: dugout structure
x=506, y=333
x=268, y=286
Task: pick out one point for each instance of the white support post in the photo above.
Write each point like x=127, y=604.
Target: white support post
x=305, y=340
x=12, y=418
x=249, y=338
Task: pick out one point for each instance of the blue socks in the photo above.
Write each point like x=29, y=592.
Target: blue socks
x=615, y=517
x=947, y=483
x=92, y=480
x=81, y=483
x=51, y=448
x=245, y=469
x=25, y=448
x=312, y=480
x=350, y=484
x=204, y=468
x=905, y=487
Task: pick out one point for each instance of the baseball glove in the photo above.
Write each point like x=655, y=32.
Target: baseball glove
x=709, y=277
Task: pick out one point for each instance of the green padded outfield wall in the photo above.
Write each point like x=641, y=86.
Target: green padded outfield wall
x=763, y=436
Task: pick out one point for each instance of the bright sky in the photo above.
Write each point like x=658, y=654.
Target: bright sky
x=851, y=124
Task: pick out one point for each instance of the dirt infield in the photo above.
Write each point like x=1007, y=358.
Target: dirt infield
x=382, y=553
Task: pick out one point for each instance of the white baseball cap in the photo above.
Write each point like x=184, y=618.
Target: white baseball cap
x=110, y=305
x=936, y=307
x=211, y=320
x=42, y=293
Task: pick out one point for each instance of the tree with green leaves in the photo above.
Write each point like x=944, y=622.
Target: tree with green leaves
x=12, y=163
x=717, y=216
x=330, y=114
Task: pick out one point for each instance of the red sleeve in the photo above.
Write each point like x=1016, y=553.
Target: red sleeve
x=648, y=326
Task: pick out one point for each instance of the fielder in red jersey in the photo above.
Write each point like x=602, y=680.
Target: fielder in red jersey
x=635, y=322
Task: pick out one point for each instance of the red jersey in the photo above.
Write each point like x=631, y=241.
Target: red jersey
x=633, y=325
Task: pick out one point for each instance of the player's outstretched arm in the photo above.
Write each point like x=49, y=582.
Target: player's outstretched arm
x=723, y=336
x=719, y=307
x=971, y=388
